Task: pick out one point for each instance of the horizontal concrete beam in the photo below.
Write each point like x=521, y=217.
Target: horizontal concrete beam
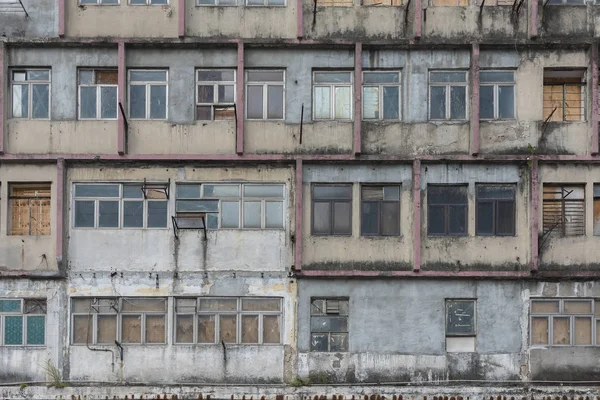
x=449, y=274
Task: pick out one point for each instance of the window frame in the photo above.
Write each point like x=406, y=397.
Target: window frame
x=331, y=203
x=563, y=201
x=215, y=84
x=30, y=84
x=380, y=87
x=148, y=3
x=98, y=88
x=495, y=92
x=449, y=300
x=325, y=314
x=448, y=86
x=332, y=86
x=12, y=185
x=265, y=93
x=495, y=202
x=565, y=79
x=98, y=3
x=380, y=209
x=447, y=211
x=148, y=85
x=24, y=321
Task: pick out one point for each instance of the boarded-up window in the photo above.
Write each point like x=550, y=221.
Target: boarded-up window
x=329, y=325
x=564, y=95
x=564, y=210
x=29, y=209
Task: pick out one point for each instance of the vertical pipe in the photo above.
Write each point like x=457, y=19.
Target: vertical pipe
x=299, y=19
x=533, y=19
x=3, y=74
x=594, y=63
x=475, y=99
x=239, y=148
x=535, y=218
x=181, y=19
x=121, y=83
x=357, y=98
x=60, y=193
x=299, y=215
x=61, y=18
x=418, y=18
x=416, y=176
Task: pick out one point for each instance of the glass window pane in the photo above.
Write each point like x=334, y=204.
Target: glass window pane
x=212, y=221
x=148, y=76
x=338, y=342
x=254, y=102
x=20, y=101
x=333, y=77
x=249, y=328
x=131, y=329
x=197, y=205
x=133, y=192
x=458, y=102
x=262, y=191
x=370, y=218
x=206, y=328
x=505, y=224
x=13, y=330
x=506, y=102
x=108, y=98
x=370, y=103
x=343, y=102
x=322, y=102
x=252, y=214
x=436, y=220
x=249, y=304
x=485, y=218
x=391, y=103
x=271, y=330
x=108, y=214
x=84, y=214
x=391, y=193
x=38, y=75
x=457, y=220
x=437, y=102
x=496, y=76
x=448, y=76
x=228, y=328
x=157, y=214
x=583, y=331
x=342, y=218
x=158, y=102
x=539, y=330
x=96, y=190
x=36, y=329
x=204, y=113
x=86, y=76
x=88, y=102
x=133, y=214
x=381, y=77
x=215, y=75
x=329, y=324
x=486, y=102
x=82, y=329
x=184, y=329
x=390, y=219
x=107, y=329
x=218, y=304
x=221, y=191
x=40, y=101
x=137, y=101
x=226, y=94
x=206, y=94
x=274, y=214
x=324, y=192
x=144, y=304
x=81, y=305
x=496, y=192
x=319, y=342
x=274, y=102
x=188, y=191
x=230, y=214
x=561, y=333
x=7, y=306
x=578, y=307
x=321, y=218
x=265, y=76
x=544, y=307
x=155, y=329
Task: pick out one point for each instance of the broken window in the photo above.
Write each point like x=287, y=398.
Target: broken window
x=447, y=95
x=564, y=322
x=564, y=95
x=115, y=205
x=148, y=94
x=29, y=209
x=460, y=318
x=215, y=95
x=447, y=210
x=495, y=210
x=329, y=324
x=564, y=210
x=381, y=95
x=497, y=95
x=97, y=94
x=242, y=320
x=332, y=209
x=31, y=93
x=22, y=322
x=380, y=210
x=332, y=95
x=265, y=94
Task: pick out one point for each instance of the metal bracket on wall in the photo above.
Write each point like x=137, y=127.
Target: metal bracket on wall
x=162, y=188
x=189, y=221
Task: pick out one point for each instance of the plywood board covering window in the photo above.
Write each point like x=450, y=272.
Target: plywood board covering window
x=29, y=209
x=564, y=98
x=564, y=322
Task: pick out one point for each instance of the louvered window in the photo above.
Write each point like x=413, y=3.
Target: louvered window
x=380, y=210
x=564, y=210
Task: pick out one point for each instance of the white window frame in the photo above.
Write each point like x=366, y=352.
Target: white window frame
x=21, y=313
x=98, y=95
x=148, y=85
x=265, y=85
x=496, y=99
x=217, y=4
x=30, y=84
x=447, y=116
x=215, y=84
x=380, y=87
x=149, y=3
x=332, y=99
x=100, y=3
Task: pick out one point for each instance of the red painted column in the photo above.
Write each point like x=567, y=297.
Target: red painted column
x=535, y=218
x=357, y=98
x=122, y=87
x=60, y=193
x=299, y=215
x=416, y=176
x=475, y=99
x=418, y=18
x=594, y=63
x=533, y=19
x=181, y=19
x=3, y=75
x=61, y=18
x=299, y=20
x=239, y=148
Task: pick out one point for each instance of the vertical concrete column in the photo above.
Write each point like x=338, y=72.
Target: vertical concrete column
x=61, y=18
x=239, y=132
x=122, y=87
x=299, y=19
x=418, y=18
x=416, y=177
x=60, y=194
x=299, y=203
x=475, y=99
x=357, y=98
x=3, y=74
x=594, y=66
x=533, y=19
x=181, y=19
x=535, y=218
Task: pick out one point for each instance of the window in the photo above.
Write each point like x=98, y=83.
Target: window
x=98, y=2
x=265, y=94
x=22, y=322
x=233, y=206
x=381, y=2
x=564, y=95
x=245, y=320
x=335, y=3
x=332, y=92
x=216, y=94
x=115, y=205
x=148, y=94
x=460, y=3
x=596, y=209
x=497, y=95
x=329, y=325
x=216, y=2
x=460, y=317
x=332, y=210
x=29, y=207
x=448, y=95
x=380, y=210
x=447, y=210
x=97, y=94
x=569, y=2
x=381, y=95
x=564, y=210
x=127, y=320
x=565, y=322
x=148, y=2
x=265, y=2
x=31, y=93
x=495, y=210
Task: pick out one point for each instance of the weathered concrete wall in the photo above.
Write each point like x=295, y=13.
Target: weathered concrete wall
x=565, y=20
x=357, y=252
x=472, y=251
x=121, y=20
x=27, y=252
x=42, y=20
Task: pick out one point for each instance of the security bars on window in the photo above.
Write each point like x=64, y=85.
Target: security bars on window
x=329, y=325
x=265, y=98
x=22, y=322
x=215, y=95
x=148, y=94
x=448, y=95
x=332, y=95
x=381, y=95
x=242, y=320
x=97, y=94
x=565, y=322
x=31, y=93
x=497, y=95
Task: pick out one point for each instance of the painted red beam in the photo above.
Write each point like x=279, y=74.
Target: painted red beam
x=475, y=99
x=535, y=218
x=181, y=18
x=239, y=132
x=416, y=176
x=299, y=20
x=357, y=98
x=61, y=18
x=299, y=216
x=418, y=18
x=60, y=193
x=3, y=84
x=122, y=87
x=533, y=19
x=451, y=274
x=594, y=66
